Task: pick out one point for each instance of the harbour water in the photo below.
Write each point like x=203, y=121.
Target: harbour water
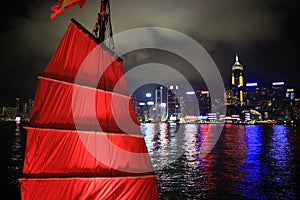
x=247, y=162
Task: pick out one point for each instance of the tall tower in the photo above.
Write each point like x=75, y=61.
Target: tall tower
x=17, y=105
x=158, y=102
x=237, y=81
x=172, y=102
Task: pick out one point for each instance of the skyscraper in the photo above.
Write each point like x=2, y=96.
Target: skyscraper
x=158, y=104
x=237, y=81
x=173, y=102
x=17, y=105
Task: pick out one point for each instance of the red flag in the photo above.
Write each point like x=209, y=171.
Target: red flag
x=62, y=5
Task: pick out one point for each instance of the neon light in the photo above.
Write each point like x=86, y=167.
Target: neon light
x=190, y=92
x=241, y=96
x=222, y=117
x=241, y=82
x=173, y=118
x=251, y=84
x=148, y=95
x=278, y=83
x=201, y=117
x=235, y=116
x=204, y=92
x=150, y=103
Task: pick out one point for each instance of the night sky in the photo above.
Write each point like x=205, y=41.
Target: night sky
x=263, y=32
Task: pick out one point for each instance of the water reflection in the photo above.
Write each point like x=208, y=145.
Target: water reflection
x=164, y=142
x=247, y=162
x=280, y=161
x=16, y=156
x=253, y=168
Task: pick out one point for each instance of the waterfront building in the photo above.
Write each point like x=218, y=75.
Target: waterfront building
x=8, y=112
x=17, y=101
x=229, y=98
x=135, y=103
x=237, y=82
x=158, y=104
x=279, y=107
x=189, y=104
x=251, y=94
x=204, y=102
x=26, y=109
x=173, y=102
x=148, y=112
x=296, y=110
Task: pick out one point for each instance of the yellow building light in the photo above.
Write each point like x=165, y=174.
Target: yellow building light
x=241, y=96
x=241, y=81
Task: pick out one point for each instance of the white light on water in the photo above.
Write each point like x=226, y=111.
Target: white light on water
x=18, y=119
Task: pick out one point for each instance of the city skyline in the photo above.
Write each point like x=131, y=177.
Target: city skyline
x=263, y=34
x=150, y=88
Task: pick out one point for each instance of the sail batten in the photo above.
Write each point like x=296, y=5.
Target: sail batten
x=83, y=138
x=80, y=188
x=84, y=86
x=90, y=178
x=86, y=132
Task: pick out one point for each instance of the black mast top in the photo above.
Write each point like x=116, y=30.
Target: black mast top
x=103, y=27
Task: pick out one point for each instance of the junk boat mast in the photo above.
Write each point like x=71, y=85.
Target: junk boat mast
x=103, y=28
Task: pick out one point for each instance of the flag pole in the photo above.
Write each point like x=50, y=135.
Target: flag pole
x=100, y=28
x=103, y=19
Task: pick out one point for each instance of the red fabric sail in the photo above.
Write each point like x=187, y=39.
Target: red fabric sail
x=56, y=112
x=73, y=51
x=131, y=188
x=62, y=153
x=83, y=139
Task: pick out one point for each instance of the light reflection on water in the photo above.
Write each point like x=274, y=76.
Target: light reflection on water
x=248, y=162
x=16, y=156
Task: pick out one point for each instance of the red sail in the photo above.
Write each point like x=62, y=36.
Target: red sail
x=83, y=139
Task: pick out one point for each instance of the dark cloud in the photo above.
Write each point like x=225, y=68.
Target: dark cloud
x=230, y=21
x=261, y=31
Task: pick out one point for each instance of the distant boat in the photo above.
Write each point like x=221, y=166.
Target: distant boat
x=67, y=155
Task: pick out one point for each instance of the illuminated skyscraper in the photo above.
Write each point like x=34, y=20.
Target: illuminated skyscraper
x=237, y=81
x=17, y=105
x=158, y=95
x=189, y=104
x=204, y=102
x=159, y=105
x=172, y=102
